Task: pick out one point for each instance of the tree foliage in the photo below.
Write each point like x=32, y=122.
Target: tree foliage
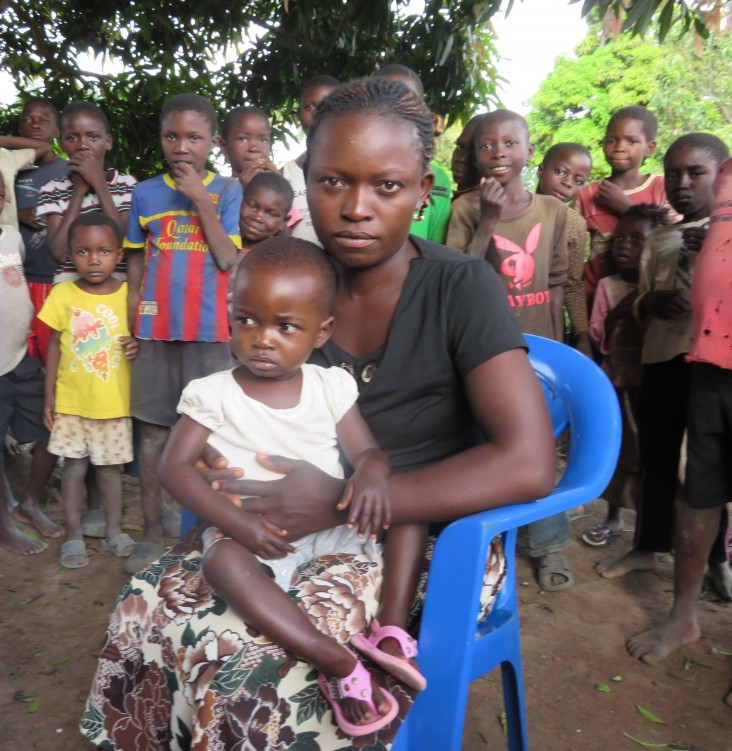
x=686, y=90
x=640, y=16
x=257, y=52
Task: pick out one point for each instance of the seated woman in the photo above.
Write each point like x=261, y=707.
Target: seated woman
x=449, y=394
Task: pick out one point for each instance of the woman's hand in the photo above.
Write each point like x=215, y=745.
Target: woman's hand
x=303, y=501
x=214, y=467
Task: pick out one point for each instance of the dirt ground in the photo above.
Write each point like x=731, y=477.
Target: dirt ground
x=52, y=621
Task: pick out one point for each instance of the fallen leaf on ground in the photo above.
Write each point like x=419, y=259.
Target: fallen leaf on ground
x=649, y=715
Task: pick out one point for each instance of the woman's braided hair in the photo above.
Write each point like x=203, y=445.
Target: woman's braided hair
x=379, y=96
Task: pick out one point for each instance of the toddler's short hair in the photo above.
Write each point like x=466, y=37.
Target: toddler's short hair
x=640, y=113
x=274, y=182
x=187, y=103
x=554, y=151
x=238, y=112
x=31, y=100
x=714, y=146
x=95, y=219
x=652, y=212
x=288, y=253
x=77, y=106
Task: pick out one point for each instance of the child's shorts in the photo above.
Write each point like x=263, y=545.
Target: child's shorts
x=163, y=369
x=103, y=441
x=709, y=438
x=21, y=402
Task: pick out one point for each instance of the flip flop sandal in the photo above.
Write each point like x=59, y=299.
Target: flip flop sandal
x=397, y=666
x=356, y=685
x=73, y=549
x=554, y=564
x=142, y=554
x=598, y=535
x=94, y=523
x=121, y=545
x=170, y=522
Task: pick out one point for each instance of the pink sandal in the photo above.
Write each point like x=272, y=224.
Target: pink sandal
x=397, y=666
x=356, y=685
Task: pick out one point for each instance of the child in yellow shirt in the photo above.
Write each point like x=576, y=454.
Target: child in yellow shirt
x=87, y=392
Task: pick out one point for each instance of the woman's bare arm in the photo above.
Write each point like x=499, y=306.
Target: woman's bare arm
x=515, y=464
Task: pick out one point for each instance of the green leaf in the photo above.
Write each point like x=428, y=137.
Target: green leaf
x=265, y=674
x=616, y=678
x=183, y=736
x=230, y=678
x=311, y=702
x=603, y=688
x=664, y=20
x=649, y=715
x=305, y=742
x=189, y=638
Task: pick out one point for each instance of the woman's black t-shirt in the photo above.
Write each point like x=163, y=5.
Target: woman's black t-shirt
x=452, y=316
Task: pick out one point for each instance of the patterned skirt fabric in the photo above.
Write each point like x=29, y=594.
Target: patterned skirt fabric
x=179, y=671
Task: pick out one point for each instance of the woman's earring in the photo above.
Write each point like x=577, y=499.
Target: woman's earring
x=418, y=214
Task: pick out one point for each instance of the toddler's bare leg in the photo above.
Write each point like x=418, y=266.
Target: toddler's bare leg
x=239, y=578
x=403, y=556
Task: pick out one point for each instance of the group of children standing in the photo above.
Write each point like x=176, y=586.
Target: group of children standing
x=627, y=305
x=126, y=334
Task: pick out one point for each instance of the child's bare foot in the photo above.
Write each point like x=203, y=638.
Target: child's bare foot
x=653, y=645
x=12, y=539
x=30, y=513
x=373, y=708
x=359, y=713
x=633, y=560
x=720, y=576
x=392, y=647
x=394, y=650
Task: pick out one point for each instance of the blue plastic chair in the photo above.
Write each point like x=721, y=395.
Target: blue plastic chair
x=453, y=648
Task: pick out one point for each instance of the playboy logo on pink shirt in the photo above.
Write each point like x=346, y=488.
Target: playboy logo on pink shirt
x=519, y=265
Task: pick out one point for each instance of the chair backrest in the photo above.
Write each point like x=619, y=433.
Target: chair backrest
x=454, y=648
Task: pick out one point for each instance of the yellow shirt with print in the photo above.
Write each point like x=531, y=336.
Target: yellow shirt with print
x=93, y=374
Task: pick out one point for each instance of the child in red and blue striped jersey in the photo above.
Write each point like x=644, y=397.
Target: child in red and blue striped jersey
x=182, y=240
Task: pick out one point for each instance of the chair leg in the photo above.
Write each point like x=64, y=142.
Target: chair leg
x=422, y=730
x=513, y=701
